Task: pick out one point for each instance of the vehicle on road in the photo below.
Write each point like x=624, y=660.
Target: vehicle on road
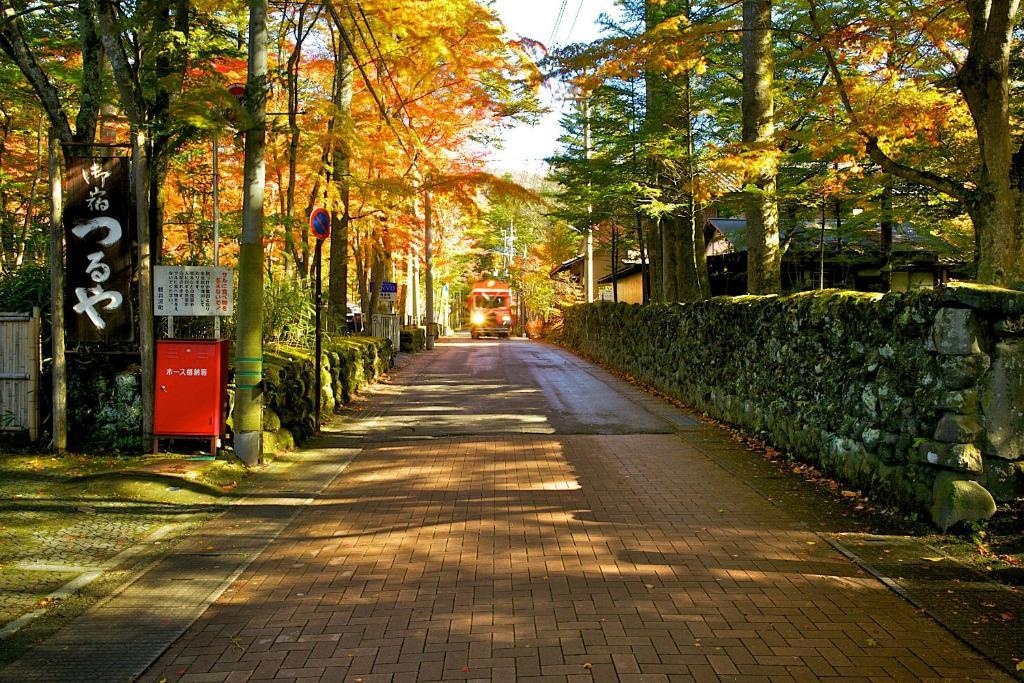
x=354, y=319
x=492, y=311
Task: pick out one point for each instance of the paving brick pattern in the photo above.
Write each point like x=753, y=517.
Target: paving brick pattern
x=536, y=557
x=67, y=536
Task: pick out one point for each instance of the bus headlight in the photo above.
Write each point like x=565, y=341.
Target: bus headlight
x=477, y=318
x=507, y=319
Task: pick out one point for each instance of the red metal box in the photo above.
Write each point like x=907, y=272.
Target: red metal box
x=191, y=387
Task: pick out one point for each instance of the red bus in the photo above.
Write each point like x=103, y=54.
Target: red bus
x=492, y=310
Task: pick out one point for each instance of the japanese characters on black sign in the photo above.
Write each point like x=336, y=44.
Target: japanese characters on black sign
x=97, y=227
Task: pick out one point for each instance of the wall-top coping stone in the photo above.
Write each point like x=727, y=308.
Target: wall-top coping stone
x=984, y=298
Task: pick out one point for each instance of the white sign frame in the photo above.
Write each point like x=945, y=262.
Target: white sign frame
x=193, y=291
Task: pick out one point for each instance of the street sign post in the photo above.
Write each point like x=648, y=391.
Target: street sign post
x=320, y=223
x=320, y=226
x=388, y=291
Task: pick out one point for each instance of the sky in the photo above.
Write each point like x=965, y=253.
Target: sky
x=525, y=146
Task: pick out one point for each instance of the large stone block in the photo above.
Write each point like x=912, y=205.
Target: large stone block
x=1004, y=479
x=963, y=457
x=955, y=332
x=954, y=428
x=962, y=372
x=960, y=401
x=956, y=499
x=1002, y=402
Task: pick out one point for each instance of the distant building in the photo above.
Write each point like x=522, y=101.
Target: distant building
x=628, y=274
x=853, y=259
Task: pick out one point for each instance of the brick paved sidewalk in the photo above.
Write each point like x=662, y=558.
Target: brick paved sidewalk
x=577, y=540
x=562, y=558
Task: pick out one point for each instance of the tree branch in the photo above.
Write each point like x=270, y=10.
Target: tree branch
x=926, y=178
x=124, y=76
x=14, y=44
x=92, y=74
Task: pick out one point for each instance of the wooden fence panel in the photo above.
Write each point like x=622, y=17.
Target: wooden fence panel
x=19, y=372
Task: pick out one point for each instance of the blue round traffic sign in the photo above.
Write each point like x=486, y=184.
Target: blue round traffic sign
x=320, y=223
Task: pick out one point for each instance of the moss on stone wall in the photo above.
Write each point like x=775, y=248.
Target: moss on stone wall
x=863, y=384
x=289, y=384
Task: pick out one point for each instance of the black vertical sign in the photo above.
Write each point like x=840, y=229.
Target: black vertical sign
x=98, y=233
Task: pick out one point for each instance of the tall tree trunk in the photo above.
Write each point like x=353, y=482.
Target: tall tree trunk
x=30, y=204
x=997, y=206
x=693, y=279
x=359, y=255
x=670, y=256
x=248, y=416
x=147, y=329
x=376, y=278
x=887, y=227
x=294, y=137
x=337, y=294
x=428, y=264
x=654, y=254
x=764, y=257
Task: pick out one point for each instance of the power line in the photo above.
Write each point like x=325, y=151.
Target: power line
x=558, y=23
x=366, y=79
x=380, y=54
x=402, y=105
x=572, y=27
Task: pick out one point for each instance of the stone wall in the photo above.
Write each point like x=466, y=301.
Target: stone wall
x=289, y=384
x=916, y=396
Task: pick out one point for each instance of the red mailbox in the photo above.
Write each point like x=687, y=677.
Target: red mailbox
x=191, y=389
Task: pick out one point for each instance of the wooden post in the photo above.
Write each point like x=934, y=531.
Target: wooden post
x=59, y=369
x=147, y=331
x=216, y=218
x=34, y=369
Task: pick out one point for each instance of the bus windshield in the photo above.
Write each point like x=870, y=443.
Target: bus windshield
x=490, y=301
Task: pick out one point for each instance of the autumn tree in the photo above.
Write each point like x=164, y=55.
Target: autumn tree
x=900, y=88
x=764, y=258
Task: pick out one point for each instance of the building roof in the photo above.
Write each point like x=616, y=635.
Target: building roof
x=566, y=264
x=621, y=274
x=805, y=236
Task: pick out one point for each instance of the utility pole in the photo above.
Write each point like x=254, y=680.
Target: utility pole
x=248, y=415
x=589, y=278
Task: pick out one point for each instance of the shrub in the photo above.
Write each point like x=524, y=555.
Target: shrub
x=26, y=286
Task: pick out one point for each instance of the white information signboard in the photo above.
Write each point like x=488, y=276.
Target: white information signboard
x=193, y=290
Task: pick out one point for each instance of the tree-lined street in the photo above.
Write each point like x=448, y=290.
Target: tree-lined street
x=514, y=513
x=518, y=513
